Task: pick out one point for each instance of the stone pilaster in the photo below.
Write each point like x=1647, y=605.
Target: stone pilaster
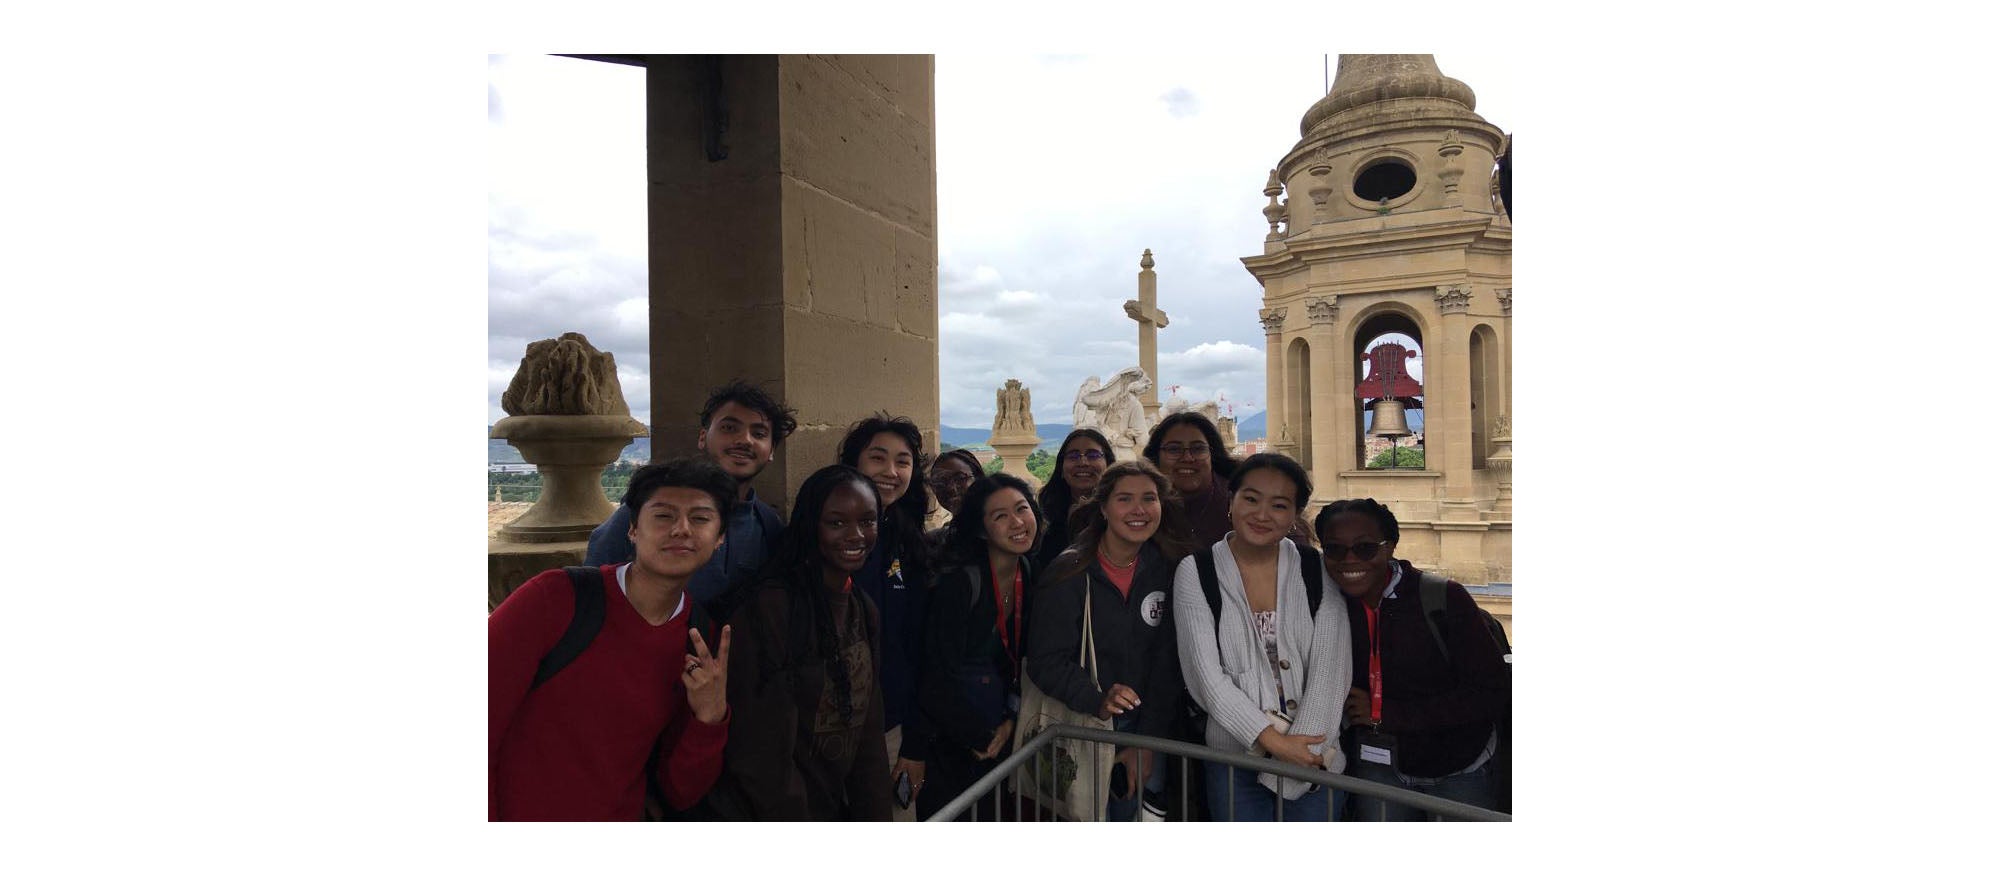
x=1448, y=405
x=1273, y=320
x=1327, y=427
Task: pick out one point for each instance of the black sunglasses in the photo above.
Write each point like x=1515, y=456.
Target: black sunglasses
x=1363, y=551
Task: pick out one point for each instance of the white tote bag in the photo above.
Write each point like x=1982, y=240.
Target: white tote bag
x=1060, y=779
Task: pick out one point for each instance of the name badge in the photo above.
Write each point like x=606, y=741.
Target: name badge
x=1377, y=747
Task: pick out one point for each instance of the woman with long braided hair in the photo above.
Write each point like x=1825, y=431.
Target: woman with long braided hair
x=805, y=742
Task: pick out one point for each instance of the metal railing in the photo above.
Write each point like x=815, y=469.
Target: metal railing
x=1023, y=764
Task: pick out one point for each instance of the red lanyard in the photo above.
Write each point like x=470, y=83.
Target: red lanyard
x=1374, y=666
x=1001, y=622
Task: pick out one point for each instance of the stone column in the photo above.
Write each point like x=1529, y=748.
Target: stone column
x=793, y=221
x=1146, y=311
x=1327, y=426
x=1448, y=404
x=1274, y=382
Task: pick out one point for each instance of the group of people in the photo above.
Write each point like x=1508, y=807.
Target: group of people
x=714, y=662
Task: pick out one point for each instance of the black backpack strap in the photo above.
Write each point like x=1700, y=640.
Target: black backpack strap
x=1309, y=572
x=584, y=624
x=1430, y=597
x=1211, y=586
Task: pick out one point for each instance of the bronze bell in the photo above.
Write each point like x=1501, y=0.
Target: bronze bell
x=1389, y=421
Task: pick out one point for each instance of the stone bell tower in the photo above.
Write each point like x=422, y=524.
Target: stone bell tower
x=1392, y=224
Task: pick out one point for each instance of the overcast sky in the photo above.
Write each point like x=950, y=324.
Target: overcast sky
x=1054, y=172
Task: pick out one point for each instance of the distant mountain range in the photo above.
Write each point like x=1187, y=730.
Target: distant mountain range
x=499, y=452
x=1052, y=433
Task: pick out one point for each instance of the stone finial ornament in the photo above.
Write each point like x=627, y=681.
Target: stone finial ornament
x=1449, y=168
x=1274, y=212
x=1321, y=189
x=1145, y=259
x=565, y=376
x=1013, y=409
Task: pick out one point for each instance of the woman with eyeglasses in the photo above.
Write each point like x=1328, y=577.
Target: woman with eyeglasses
x=1187, y=448
x=1270, y=662
x=1081, y=459
x=1434, y=717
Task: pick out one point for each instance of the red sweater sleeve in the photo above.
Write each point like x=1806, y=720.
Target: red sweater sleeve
x=690, y=755
x=518, y=634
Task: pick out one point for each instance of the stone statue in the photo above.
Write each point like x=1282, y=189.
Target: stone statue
x=565, y=376
x=1013, y=409
x=1115, y=409
x=1209, y=409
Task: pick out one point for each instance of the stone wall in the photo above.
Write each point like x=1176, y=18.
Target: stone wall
x=807, y=257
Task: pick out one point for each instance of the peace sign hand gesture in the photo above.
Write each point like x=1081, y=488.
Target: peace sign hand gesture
x=707, y=678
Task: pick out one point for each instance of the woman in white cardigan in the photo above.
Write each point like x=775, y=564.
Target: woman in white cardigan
x=1270, y=651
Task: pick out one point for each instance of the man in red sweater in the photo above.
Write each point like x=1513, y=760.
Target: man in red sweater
x=577, y=745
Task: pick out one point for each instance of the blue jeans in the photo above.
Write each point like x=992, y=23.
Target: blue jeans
x=1254, y=803
x=1116, y=809
x=1473, y=788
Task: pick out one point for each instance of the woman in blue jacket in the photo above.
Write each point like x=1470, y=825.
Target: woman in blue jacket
x=969, y=685
x=887, y=449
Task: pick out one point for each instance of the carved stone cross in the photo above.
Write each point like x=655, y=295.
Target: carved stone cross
x=1146, y=311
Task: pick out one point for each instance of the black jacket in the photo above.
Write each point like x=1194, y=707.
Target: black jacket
x=967, y=675
x=1134, y=638
x=1440, y=712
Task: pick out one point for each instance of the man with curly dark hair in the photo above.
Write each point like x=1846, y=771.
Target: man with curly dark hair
x=741, y=428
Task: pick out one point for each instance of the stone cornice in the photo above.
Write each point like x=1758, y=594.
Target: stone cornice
x=1475, y=232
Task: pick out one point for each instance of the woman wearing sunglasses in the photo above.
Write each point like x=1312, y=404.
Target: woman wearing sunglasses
x=1433, y=717
x=1269, y=667
x=1081, y=459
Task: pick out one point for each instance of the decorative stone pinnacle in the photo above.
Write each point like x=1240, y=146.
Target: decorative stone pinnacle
x=1272, y=187
x=1322, y=311
x=1506, y=297
x=1453, y=299
x=1146, y=260
x=1273, y=319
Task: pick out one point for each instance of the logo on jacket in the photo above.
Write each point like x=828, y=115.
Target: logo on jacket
x=1154, y=608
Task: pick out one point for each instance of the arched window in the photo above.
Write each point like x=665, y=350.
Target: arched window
x=1389, y=347
x=1298, y=403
